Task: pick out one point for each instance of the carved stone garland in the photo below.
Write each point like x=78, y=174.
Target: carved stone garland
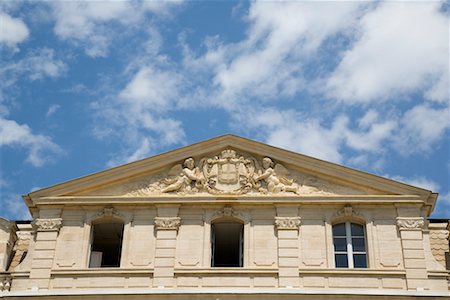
x=287, y=223
x=167, y=223
x=47, y=224
x=410, y=223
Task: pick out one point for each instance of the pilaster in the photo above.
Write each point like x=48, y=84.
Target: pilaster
x=166, y=226
x=410, y=229
x=46, y=234
x=287, y=223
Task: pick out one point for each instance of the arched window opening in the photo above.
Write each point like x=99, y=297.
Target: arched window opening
x=106, y=245
x=227, y=243
x=349, y=245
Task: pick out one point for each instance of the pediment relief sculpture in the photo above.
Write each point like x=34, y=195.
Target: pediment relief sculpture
x=230, y=173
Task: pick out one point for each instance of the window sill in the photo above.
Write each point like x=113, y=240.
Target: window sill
x=358, y=271
x=231, y=270
x=102, y=271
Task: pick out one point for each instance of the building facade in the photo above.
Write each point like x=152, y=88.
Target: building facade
x=226, y=218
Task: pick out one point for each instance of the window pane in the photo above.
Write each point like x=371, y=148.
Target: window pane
x=339, y=230
x=340, y=244
x=359, y=261
x=358, y=245
x=341, y=260
x=357, y=230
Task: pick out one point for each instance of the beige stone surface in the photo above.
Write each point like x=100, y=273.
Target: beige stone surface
x=287, y=203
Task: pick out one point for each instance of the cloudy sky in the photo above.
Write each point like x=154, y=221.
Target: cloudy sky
x=89, y=85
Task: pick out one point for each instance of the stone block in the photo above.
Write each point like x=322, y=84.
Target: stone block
x=411, y=234
x=413, y=253
x=288, y=243
x=45, y=245
x=314, y=281
x=393, y=283
x=164, y=262
x=288, y=262
x=288, y=234
x=415, y=263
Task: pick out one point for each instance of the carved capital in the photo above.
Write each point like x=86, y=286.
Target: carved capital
x=287, y=222
x=410, y=223
x=167, y=223
x=47, y=224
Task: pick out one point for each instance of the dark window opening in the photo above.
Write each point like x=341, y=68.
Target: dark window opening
x=227, y=241
x=349, y=245
x=106, y=245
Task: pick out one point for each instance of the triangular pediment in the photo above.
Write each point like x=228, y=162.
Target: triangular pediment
x=229, y=166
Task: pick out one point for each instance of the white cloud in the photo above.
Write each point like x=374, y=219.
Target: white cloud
x=421, y=127
x=417, y=181
x=36, y=65
x=151, y=89
x=141, y=112
x=41, y=149
x=89, y=23
x=403, y=48
x=52, y=109
x=12, y=31
x=269, y=62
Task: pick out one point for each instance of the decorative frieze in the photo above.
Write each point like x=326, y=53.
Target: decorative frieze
x=47, y=224
x=167, y=223
x=287, y=223
x=410, y=223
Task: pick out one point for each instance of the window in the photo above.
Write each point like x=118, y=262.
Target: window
x=227, y=240
x=349, y=245
x=106, y=245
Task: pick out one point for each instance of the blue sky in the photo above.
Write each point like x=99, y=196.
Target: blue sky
x=89, y=85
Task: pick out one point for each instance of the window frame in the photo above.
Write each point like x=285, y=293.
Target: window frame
x=241, y=241
x=350, y=252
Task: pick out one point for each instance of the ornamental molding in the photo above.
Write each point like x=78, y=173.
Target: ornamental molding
x=167, y=223
x=287, y=223
x=47, y=224
x=232, y=173
x=227, y=211
x=109, y=212
x=348, y=212
x=410, y=223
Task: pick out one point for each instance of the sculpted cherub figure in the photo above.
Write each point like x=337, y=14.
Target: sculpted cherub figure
x=276, y=183
x=184, y=177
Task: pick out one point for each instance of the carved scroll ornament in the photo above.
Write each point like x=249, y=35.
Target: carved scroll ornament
x=410, y=223
x=47, y=224
x=287, y=223
x=167, y=223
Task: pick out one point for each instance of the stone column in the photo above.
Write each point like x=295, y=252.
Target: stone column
x=46, y=234
x=287, y=223
x=166, y=226
x=413, y=252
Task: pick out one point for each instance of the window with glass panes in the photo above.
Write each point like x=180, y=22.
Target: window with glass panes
x=349, y=245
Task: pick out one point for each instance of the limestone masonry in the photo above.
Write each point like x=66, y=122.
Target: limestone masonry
x=222, y=219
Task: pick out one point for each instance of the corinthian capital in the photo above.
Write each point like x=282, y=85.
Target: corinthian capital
x=410, y=223
x=287, y=222
x=47, y=224
x=167, y=223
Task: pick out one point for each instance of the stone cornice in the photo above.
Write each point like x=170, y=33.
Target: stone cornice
x=262, y=199
x=415, y=223
x=167, y=223
x=47, y=224
x=286, y=223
